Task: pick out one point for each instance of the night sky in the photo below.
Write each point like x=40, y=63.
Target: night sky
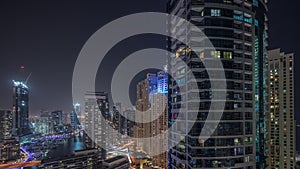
x=47, y=36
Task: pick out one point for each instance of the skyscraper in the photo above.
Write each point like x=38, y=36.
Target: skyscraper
x=20, y=109
x=281, y=121
x=162, y=81
x=152, y=99
x=142, y=129
x=57, y=121
x=128, y=125
x=158, y=126
x=6, y=124
x=260, y=77
x=116, y=118
x=96, y=114
x=75, y=117
x=237, y=30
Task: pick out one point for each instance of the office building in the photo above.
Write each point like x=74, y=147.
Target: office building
x=20, y=109
x=237, y=30
x=96, y=114
x=281, y=121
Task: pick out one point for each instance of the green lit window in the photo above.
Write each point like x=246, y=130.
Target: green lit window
x=248, y=18
x=238, y=15
x=215, y=12
x=216, y=54
x=227, y=55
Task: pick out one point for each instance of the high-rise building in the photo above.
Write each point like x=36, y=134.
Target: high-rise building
x=77, y=109
x=9, y=150
x=237, y=30
x=96, y=114
x=116, y=118
x=152, y=98
x=74, y=120
x=20, y=109
x=281, y=121
x=158, y=126
x=116, y=125
x=144, y=88
x=127, y=124
x=42, y=124
x=6, y=124
x=57, y=121
x=162, y=81
x=75, y=117
x=260, y=77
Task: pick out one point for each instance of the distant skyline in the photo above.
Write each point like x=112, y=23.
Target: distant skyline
x=47, y=36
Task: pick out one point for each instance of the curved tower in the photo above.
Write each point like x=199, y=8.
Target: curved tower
x=237, y=30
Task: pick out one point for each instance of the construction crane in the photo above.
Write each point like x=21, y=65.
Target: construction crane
x=22, y=72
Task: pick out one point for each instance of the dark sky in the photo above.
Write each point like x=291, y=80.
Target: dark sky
x=47, y=36
x=284, y=33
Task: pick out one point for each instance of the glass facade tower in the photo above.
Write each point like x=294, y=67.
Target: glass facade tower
x=237, y=30
x=20, y=109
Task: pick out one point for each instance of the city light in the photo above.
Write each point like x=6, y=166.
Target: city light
x=222, y=94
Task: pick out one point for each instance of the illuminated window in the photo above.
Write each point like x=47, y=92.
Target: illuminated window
x=202, y=55
x=255, y=3
x=238, y=15
x=215, y=12
x=216, y=54
x=256, y=22
x=202, y=13
x=248, y=18
x=227, y=1
x=227, y=55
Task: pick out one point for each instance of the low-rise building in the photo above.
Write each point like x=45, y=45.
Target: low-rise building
x=89, y=159
x=117, y=162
